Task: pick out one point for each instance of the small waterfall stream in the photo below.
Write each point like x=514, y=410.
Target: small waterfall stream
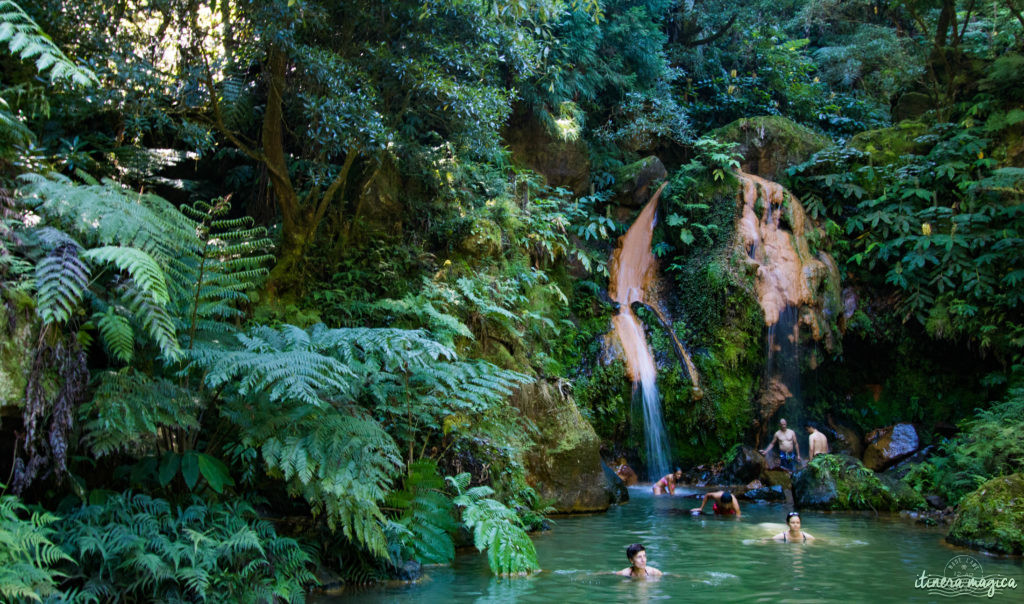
x=786, y=269
x=632, y=270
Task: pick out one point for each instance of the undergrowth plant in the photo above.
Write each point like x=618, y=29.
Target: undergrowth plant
x=135, y=547
x=28, y=556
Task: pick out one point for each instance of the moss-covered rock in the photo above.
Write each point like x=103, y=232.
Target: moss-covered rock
x=562, y=163
x=16, y=339
x=840, y=482
x=484, y=239
x=770, y=144
x=885, y=145
x=779, y=478
x=992, y=517
x=633, y=181
x=564, y=465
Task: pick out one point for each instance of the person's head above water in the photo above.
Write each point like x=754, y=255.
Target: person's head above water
x=727, y=497
x=678, y=473
x=793, y=520
x=782, y=422
x=635, y=549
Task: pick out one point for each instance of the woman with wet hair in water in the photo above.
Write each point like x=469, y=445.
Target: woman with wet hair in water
x=793, y=534
x=637, y=556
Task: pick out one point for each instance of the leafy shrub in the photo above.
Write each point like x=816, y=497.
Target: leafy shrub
x=134, y=547
x=989, y=446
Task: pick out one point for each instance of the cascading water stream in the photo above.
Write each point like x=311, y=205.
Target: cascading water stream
x=784, y=269
x=632, y=270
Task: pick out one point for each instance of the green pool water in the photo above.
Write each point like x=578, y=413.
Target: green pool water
x=856, y=558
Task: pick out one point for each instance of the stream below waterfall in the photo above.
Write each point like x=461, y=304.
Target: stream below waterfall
x=856, y=558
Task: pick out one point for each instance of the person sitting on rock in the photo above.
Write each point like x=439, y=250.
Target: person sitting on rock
x=816, y=442
x=637, y=556
x=787, y=443
x=668, y=483
x=626, y=473
x=723, y=503
x=793, y=534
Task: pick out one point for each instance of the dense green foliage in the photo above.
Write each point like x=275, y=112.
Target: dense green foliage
x=302, y=252
x=988, y=446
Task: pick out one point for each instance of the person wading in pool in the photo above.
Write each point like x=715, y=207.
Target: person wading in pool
x=668, y=483
x=722, y=502
x=787, y=443
x=793, y=534
x=638, y=563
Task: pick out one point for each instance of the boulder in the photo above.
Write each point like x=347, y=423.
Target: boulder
x=564, y=465
x=745, y=465
x=888, y=445
x=616, y=484
x=780, y=478
x=911, y=105
x=771, y=144
x=886, y=145
x=843, y=439
x=410, y=571
x=815, y=486
x=840, y=482
x=562, y=163
x=992, y=517
x=484, y=239
x=773, y=493
x=633, y=181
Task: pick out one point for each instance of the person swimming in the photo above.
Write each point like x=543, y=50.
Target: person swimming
x=722, y=503
x=793, y=534
x=637, y=555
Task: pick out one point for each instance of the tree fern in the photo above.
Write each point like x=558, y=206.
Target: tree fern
x=340, y=461
x=142, y=267
x=25, y=39
x=427, y=514
x=496, y=529
x=61, y=279
x=129, y=407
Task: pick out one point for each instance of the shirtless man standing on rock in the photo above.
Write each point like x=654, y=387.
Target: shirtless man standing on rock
x=787, y=443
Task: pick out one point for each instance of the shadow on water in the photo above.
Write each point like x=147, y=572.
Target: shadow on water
x=707, y=559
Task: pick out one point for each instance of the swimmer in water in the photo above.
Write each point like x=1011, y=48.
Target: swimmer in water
x=793, y=534
x=638, y=563
x=722, y=503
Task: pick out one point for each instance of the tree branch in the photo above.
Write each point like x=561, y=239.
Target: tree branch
x=714, y=36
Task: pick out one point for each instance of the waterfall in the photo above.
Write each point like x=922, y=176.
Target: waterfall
x=786, y=271
x=632, y=270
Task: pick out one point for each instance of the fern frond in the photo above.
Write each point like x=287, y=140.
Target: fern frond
x=61, y=279
x=117, y=335
x=142, y=267
x=25, y=39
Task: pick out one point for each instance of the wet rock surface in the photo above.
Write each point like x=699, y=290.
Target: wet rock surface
x=773, y=493
x=888, y=445
x=746, y=465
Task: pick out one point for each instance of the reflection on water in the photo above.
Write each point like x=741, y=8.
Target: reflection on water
x=854, y=558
